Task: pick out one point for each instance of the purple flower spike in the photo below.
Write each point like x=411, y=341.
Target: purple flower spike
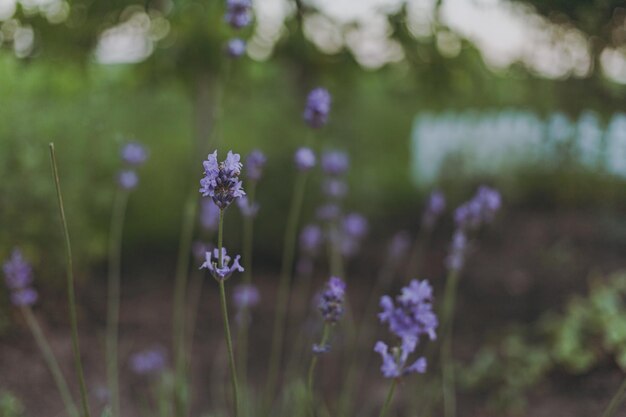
x=255, y=161
x=305, y=159
x=212, y=264
x=310, y=239
x=456, y=257
x=355, y=226
x=128, y=179
x=24, y=297
x=246, y=296
x=238, y=13
x=434, y=208
x=335, y=188
x=412, y=315
x=18, y=273
x=247, y=209
x=134, y=153
x=148, y=362
x=395, y=363
x=221, y=180
x=481, y=209
x=235, y=48
x=317, y=108
x=319, y=349
x=332, y=299
x=335, y=162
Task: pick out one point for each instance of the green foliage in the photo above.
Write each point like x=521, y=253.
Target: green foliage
x=589, y=332
x=10, y=405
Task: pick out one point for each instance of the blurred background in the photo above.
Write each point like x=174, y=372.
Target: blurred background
x=527, y=96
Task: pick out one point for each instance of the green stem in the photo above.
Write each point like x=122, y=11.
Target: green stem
x=284, y=285
x=113, y=299
x=51, y=361
x=180, y=288
x=615, y=401
x=392, y=389
x=229, y=341
x=70, y=287
x=447, y=365
x=311, y=374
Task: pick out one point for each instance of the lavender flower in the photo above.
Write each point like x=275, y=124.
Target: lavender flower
x=395, y=363
x=209, y=215
x=310, y=239
x=238, y=13
x=332, y=299
x=480, y=209
x=148, y=362
x=305, y=159
x=355, y=225
x=412, y=315
x=436, y=205
x=246, y=296
x=335, y=162
x=335, y=188
x=18, y=276
x=18, y=273
x=317, y=108
x=319, y=349
x=212, y=264
x=221, y=180
x=235, y=48
x=134, y=153
x=247, y=209
x=255, y=161
x=456, y=257
x=127, y=179
x=399, y=245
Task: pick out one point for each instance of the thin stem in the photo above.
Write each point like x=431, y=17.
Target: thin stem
x=70, y=287
x=229, y=341
x=180, y=288
x=392, y=389
x=615, y=401
x=53, y=365
x=447, y=366
x=314, y=359
x=284, y=285
x=113, y=299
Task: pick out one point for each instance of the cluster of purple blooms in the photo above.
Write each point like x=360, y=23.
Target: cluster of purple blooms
x=409, y=318
x=133, y=155
x=223, y=272
x=238, y=15
x=317, y=108
x=331, y=306
x=353, y=231
x=480, y=210
x=18, y=275
x=305, y=159
x=148, y=362
x=221, y=180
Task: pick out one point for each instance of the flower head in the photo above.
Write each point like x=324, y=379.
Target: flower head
x=435, y=206
x=221, y=180
x=18, y=273
x=395, y=363
x=335, y=162
x=412, y=314
x=335, y=188
x=456, y=257
x=332, y=299
x=255, y=161
x=134, y=153
x=24, y=297
x=226, y=270
x=305, y=159
x=127, y=179
x=317, y=108
x=235, y=48
x=355, y=225
x=310, y=239
x=319, y=349
x=148, y=362
x=246, y=296
x=481, y=209
x=238, y=13
x=247, y=209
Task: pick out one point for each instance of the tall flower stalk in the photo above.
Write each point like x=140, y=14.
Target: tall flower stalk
x=221, y=183
x=133, y=154
x=70, y=287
